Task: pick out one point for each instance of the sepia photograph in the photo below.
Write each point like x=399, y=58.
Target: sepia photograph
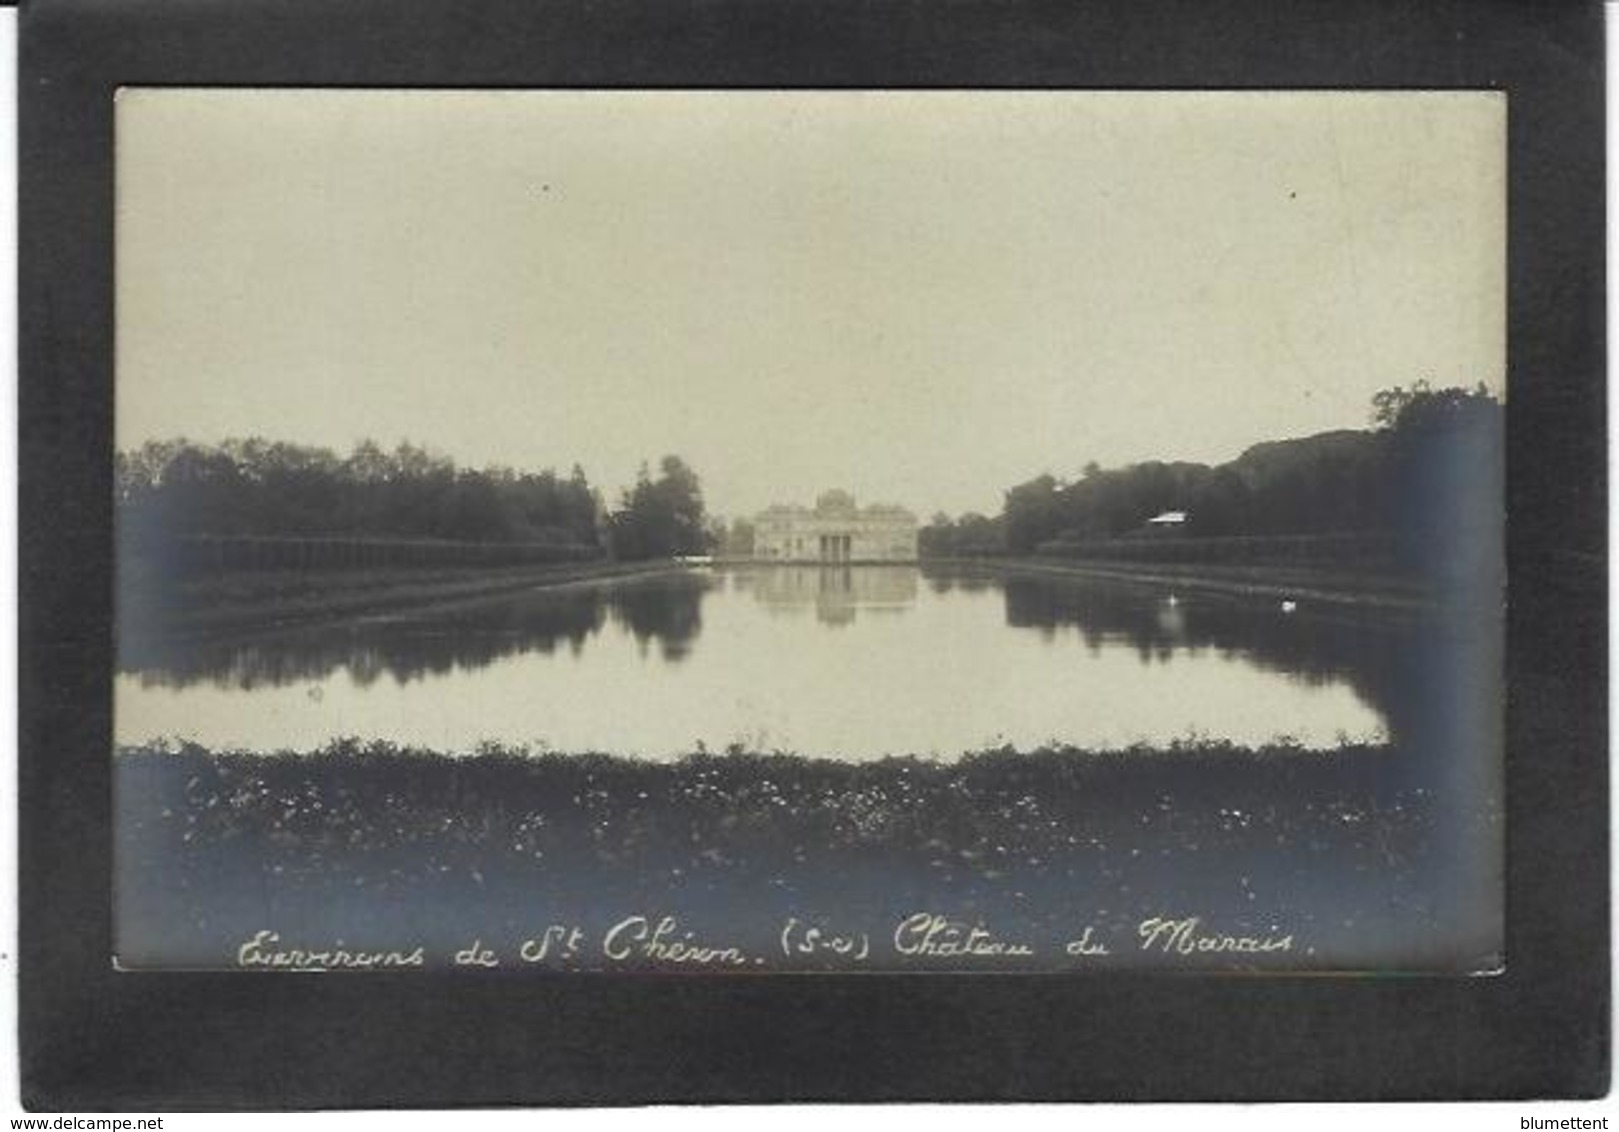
x=809, y=531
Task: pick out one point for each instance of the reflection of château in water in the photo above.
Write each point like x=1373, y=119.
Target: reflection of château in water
x=835, y=531
x=836, y=592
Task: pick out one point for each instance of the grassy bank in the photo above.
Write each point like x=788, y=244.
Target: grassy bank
x=371, y=842
x=263, y=598
x=1278, y=581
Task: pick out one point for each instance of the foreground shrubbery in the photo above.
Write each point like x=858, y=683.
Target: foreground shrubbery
x=359, y=838
x=364, y=798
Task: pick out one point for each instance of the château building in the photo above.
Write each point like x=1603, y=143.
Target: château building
x=835, y=531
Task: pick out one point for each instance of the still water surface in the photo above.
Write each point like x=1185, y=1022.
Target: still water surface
x=851, y=662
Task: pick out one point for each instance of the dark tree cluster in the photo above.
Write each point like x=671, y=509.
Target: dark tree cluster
x=971, y=536
x=663, y=517
x=1431, y=464
x=177, y=489
x=1445, y=451
x=261, y=488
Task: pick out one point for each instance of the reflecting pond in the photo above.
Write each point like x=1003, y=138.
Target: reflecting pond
x=853, y=662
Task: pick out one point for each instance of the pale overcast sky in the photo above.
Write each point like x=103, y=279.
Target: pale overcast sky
x=920, y=297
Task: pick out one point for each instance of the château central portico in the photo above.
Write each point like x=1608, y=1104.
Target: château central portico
x=835, y=530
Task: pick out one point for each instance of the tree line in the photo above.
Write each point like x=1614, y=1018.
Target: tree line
x=178, y=489
x=1430, y=464
x=1428, y=470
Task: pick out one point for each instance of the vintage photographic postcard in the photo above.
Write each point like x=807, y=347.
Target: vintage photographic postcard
x=809, y=531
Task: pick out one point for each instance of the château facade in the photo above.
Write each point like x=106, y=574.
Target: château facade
x=835, y=530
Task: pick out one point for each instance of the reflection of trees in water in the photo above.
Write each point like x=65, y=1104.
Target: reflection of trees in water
x=670, y=614
x=431, y=642
x=1416, y=675
x=837, y=593
x=944, y=583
